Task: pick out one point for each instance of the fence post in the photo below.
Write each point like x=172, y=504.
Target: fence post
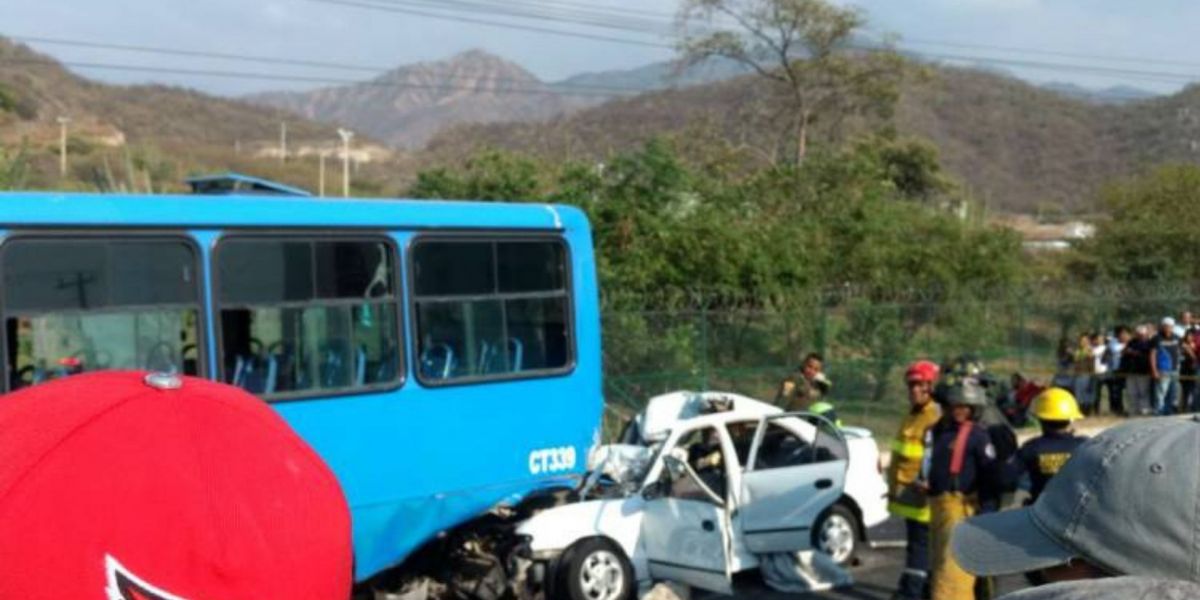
x=1023, y=328
x=822, y=330
x=704, y=346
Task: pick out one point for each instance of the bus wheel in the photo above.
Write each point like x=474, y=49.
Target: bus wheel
x=595, y=569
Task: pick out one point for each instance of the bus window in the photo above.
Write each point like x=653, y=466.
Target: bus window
x=307, y=316
x=490, y=309
x=83, y=304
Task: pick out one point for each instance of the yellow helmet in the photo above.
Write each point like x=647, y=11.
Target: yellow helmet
x=1056, y=404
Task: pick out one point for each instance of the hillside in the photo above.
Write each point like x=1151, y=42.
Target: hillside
x=657, y=76
x=408, y=105
x=1017, y=147
x=147, y=136
x=40, y=90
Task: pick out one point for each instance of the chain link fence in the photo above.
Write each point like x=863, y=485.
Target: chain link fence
x=705, y=342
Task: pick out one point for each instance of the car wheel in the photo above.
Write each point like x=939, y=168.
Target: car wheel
x=595, y=569
x=837, y=534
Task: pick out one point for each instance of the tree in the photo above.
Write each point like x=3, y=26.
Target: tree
x=491, y=175
x=803, y=47
x=14, y=169
x=1150, y=231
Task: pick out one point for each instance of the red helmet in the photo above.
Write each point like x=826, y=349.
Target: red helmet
x=923, y=371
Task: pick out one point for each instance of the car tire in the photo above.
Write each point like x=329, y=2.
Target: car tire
x=595, y=569
x=837, y=533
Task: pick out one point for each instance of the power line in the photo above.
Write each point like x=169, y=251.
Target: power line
x=594, y=92
x=1048, y=52
x=458, y=19
x=1031, y=64
x=376, y=70
x=196, y=54
x=1163, y=76
x=1157, y=76
x=1173, y=77
x=585, y=18
x=597, y=7
x=655, y=26
x=307, y=79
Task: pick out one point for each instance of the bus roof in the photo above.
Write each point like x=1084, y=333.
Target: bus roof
x=225, y=184
x=57, y=209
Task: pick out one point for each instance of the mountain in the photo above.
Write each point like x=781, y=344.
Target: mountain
x=1016, y=146
x=408, y=105
x=37, y=90
x=1117, y=94
x=149, y=137
x=658, y=76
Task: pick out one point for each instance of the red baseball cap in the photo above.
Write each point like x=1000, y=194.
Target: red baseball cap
x=129, y=486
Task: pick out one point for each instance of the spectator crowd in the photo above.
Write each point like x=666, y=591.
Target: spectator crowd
x=1146, y=369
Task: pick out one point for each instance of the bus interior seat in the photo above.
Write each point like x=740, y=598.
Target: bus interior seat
x=516, y=351
x=333, y=364
x=437, y=361
x=288, y=376
x=386, y=369
x=360, y=365
x=492, y=361
x=255, y=374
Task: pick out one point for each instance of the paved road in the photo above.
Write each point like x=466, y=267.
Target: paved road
x=875, y=576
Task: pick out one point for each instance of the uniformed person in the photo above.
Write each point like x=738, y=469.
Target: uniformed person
x=827, y=410
x=805, y=386
x=906, y=496
x=963, y=479
x=1042, y=457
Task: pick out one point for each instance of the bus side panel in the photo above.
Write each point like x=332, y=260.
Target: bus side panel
x=422, y=460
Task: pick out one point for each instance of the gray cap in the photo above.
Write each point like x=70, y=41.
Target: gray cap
x=1128, y=502
x=1115, y=588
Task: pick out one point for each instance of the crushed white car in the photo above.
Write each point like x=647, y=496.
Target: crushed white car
x=707, y=485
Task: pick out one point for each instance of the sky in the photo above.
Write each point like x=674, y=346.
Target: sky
x=1131, y=43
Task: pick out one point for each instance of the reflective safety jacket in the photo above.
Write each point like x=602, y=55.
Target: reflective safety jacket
x=1042, y=457
x=908, y=449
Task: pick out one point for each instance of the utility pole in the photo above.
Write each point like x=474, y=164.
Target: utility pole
x=283, y=141
x=346, y=135
x=62, y=146
x=321, y=176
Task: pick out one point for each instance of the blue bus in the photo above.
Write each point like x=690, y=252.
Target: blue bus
x=443, y=357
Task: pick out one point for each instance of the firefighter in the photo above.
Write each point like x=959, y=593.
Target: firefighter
x=827, y=410
x=1042, y=457
x=906, y=497
x=963, y=479
x=805, y=386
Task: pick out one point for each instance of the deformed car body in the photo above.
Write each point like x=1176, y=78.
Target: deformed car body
x=757, y=482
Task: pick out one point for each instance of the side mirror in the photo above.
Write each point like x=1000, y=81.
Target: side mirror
x=654, y=490
x=676, y=467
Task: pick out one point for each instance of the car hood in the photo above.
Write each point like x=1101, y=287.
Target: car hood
x=557, y=528
x=624, y=464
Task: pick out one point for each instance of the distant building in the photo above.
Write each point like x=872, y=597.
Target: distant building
x=1055, y=237
x=236, y=183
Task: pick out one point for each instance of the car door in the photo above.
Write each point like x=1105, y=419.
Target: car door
x=796, y=469
x=685, y=528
